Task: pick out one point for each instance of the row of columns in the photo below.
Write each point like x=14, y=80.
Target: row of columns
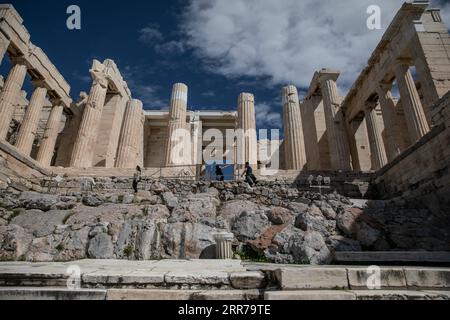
x=386, y=150
x=11, y=91
x=130, y=146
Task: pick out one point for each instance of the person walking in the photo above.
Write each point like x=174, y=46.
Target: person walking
x=137, y=177
x=249, y=176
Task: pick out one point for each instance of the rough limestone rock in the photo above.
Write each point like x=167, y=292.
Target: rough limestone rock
x=310, y=249
x=40, y=223
x=101, y=247
x=178, y=219
x=233, y=209
x=249, y=225
x=279, y=216
x=92, y=201
x=188, y=240
x=34, y=200
x=14, y=242
x=170, y=200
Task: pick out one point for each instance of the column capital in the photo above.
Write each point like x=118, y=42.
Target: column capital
x=328, y=74
x=370, y=105
x=19, y=60
x=384, y=87
x=99, y=78
x=39, y=83
x=403, y=62
x=244, y=96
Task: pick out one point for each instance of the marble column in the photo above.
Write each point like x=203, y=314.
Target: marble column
x=129, y=150
x=377, y=151
x=389, y=119
x=4, y=44
x=47, y=148
x=414, y=113
x=83, y=150
x=336, y=134
x=247, y=123
x=177, y=122
x=293, y=130
x=8, y=96
x=28, y=128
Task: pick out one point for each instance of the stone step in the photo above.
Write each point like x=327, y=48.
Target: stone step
x=51, y=293
x=362, y=278
x=357, y=295
x=393, y=257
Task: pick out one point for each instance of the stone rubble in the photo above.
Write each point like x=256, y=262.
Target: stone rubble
x=178, y=220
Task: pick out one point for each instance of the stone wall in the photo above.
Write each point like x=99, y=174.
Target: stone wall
x=422, y=172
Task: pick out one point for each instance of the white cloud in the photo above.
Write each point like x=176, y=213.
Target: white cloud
x=265, y=117
x=150, y=35
x=172, y=47
x=287, y=40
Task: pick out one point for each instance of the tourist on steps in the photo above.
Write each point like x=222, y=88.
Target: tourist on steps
x=249, y=176
x=137, y=177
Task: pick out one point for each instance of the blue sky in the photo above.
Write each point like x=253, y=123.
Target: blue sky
x=219, y=48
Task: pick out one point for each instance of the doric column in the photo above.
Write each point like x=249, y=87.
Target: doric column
x=28, y=128
x=387, y=104
x=83, y=150
x=377, y=151
x=337, y=137
x=4, y=44
x=47, y=148
x=131, y=136
x=293, y=130
x=414, y=113
x=11, y=90
x=177, y=122
x=247, y=122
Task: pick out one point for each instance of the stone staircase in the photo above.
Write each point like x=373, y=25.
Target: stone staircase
x=215, y=280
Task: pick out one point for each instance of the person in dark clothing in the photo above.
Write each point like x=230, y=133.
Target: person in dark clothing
x=137, y=177
x=219, y=172
x=249, y=176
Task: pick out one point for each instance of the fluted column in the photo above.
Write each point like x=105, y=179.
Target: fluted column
x=377, y=151
x=247, y=122
x=83, y=150
x=4, y=44
x=131, y=136
x=387, y=104
x=177, y=121
x=293, y=130
x=414, y=113
x=337, y=137
x=28, y=128
x=47, y=148
x=11, y=90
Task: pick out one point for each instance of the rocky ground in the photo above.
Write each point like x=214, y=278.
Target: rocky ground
x=271, y=222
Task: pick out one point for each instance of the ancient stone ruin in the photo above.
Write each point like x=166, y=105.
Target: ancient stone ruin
x=364, y=172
